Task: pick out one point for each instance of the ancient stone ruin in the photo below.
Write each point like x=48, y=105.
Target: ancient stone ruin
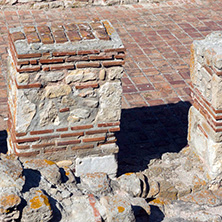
x=206, y=113
x=64, y=97
x=65, y=94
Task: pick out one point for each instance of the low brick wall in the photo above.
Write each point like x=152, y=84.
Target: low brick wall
x=64, y=91
x=205, y=116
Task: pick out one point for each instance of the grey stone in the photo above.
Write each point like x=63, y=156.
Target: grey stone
x=48, y=114
x=96, y=183
x=118, y=208
x=130, y=183
x=57, y=91
x=115, y=73
x=25, y=112
x=109, y=96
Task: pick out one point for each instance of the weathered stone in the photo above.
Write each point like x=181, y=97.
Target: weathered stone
x=140, y=202
x=130, y=183
x=57, y=91
x=68, y=101
x=154, y=189
x=102, y=74
x=48, y=169
x=38, y=207
x=97, y=183
x=11, y=174
x=93, y=164
x=78, y=114
x=89, y=207
x=48, y=114
x=25, y=113
x=110, y=96
x=115, y=73
x=64, y=163
x=74, y=76
x=53, y=76
x=118, y=208
x=93, y=103
x=23, y=78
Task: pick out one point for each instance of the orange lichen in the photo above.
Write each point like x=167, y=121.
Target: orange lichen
x=127, y=174
x=120, y=209
x=36, y=202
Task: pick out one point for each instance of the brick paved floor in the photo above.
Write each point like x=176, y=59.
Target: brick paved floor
x=156, y=93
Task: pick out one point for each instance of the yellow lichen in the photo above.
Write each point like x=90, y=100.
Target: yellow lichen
x=36, y=202
x=49, y=162
x=110, y=30
x=10, y=200
x=120, y=209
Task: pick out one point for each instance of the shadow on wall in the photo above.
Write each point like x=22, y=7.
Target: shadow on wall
x=3, y=142
x=146, y=133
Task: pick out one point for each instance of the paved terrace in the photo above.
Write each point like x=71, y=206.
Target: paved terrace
x=156, y=94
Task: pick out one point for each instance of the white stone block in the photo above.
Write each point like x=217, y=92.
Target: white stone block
x=93, y=164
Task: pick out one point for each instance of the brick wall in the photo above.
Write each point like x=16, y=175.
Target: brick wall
x=64, y=90
x=205, y=116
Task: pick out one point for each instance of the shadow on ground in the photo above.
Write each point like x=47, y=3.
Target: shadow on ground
x=146, y=133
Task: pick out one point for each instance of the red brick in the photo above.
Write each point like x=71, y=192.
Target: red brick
x=83, y=86
x=82, y=147
x=28, y=154
x=97, y=139
x=48, y=61
x=52, y=150
x=41, y=132
x=72, y=134
x=42, y=145
x=17, y=36
x=28, y=69
x=88, y=65
x=73, y=36
x=108, y=124
x=92, y=201
x=64, y=53
x=25, y=147
x=33, y=62
x=101, y=34
x=29, y=86
x=70, y=26
x=86, y=52
x=26, y=56
x=46, y=68
x=43, y=29
x=120, y=56
x=95, y=132
x=113, y=63
x=100, y=57
x=81, y=127
x=69, y=142
x=114, y=129
x=49, y=137
x=26, y=62
x=64, y=110
x=31, y=139
x=32, y=37
x=59, y=37
x=46, y=39
x=60, y=67
x=29, y=29
x=77, y=58
x=62, y=129
x=20, y=134
x=115, y=50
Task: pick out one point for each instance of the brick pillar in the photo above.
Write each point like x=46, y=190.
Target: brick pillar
x=205, y=116
x=64, y=93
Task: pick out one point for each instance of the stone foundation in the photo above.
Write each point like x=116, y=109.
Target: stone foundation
x=205, y=116
x=64, y=93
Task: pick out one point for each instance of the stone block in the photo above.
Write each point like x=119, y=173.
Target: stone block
x=93, y=164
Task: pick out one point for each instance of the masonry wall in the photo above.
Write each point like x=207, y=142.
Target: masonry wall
x=64, y=90
x=205, y=116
